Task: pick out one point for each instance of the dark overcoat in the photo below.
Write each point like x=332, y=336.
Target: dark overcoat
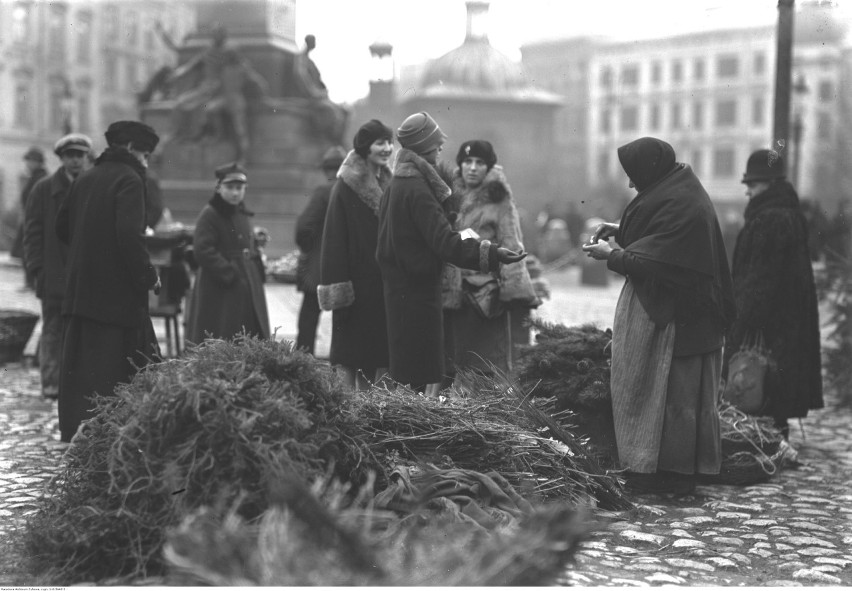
x=107, y=332
x=309, y=229
x=415, y=240
x=228, y=294
x=45, y=255
x=17, y=249
x=350, y=279
x=775, y=295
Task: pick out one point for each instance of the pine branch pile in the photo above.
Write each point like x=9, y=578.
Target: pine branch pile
x=570, y=364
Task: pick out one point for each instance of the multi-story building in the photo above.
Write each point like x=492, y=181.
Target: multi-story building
x=711, y=95
x=75, y=65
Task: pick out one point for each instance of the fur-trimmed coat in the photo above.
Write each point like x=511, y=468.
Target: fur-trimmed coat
x=228, y=294
x=350, y=279
x=775, y=294
x=415, y=241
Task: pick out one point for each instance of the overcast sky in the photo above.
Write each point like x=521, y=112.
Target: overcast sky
x=420, y=30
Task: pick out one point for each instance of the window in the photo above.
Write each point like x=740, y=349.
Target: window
x=23, y=106
x=696, y=161
x=826, y=91
x=56, y=33
x=723, y=162
x=84, y=37
x=606, y=77
x=656, y=72
x=676, y=116
x=56, y=115
x=758, y=114
x=727, y=66
x=110, y=72
x=603, y=164
x=149, y=39
x=132, y=73
x=655, y=117
x=824, y=126
x=84, y=111
x=726, y=112
x=111, y=23
x=677, y=71
x=629, y=118
x=132, y=29
x=630, y=76
x=20, y=23
x=605, y=121
x=759, y=63
x=698, y=71
x=697, y=115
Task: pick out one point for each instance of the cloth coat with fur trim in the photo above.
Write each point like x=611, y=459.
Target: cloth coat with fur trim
x=775, y=294
x=228, y=294
x=490, y=211
x=350, y=279
x=415, y=241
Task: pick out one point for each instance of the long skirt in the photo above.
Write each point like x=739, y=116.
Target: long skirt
x=96, y=357
x=664, y=407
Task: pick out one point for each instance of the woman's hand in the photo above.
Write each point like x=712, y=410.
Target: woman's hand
x=599, y=250
x=603, y=232
x=507, y=257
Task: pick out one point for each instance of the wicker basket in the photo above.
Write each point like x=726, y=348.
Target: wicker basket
x=16, y=328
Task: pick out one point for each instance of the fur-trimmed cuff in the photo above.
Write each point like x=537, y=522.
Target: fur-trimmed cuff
x=336, y=295
x=485, y=256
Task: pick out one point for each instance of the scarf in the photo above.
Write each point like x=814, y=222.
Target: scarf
x=122, y=155
x=779, y=194
x=646, y=161
x=411, y=164
x=226, y=209
x=355, y=173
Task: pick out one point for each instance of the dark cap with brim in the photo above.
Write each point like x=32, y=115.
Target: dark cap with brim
x=142, y=136
x=231, y=173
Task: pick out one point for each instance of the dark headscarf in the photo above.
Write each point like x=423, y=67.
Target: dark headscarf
x=646, y=161
x=672, y=223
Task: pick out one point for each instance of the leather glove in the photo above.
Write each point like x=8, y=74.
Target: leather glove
x=506, y=256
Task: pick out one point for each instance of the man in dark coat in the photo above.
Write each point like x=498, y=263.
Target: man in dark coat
x=228, y=297
x=45, y=255
x=34, y=160
x=108, y=331
x=415, y=240
x=774, y=290
x=309, y=229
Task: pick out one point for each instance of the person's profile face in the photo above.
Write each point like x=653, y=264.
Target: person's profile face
x=755, y=188
x=141, y=155
x=380, y=152
x=232, y=192
x=432, y=155
x=473, y=170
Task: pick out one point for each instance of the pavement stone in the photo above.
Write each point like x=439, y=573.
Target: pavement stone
x=795, y=530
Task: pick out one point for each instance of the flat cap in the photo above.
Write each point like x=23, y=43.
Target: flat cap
x=142, y=136
x=231, y=173
x=34, y=153
x=72, y=141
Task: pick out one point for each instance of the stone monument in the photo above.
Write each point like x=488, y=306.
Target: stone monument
x=242, y=90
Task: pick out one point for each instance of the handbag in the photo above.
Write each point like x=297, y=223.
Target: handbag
x=747, y=376
x=484, y=298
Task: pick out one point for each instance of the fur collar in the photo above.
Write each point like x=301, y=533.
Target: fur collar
x=122, y=155
x=780, y=194
x=494, y=189
x=355, y=173
x=225, y=209
x=410, y=164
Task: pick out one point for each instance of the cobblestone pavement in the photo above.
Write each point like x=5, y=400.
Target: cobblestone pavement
x=795, y=530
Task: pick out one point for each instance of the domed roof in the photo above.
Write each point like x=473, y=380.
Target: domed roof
x=474, y=66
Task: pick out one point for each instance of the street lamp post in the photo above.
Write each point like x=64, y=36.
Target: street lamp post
x=800, y=89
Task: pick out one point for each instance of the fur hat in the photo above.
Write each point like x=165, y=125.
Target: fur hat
x=143, y=137
x=764, y=165
x=420, y=133
x=368, y=133
x=34, y=153
x=231, y=173
x=333, y=157
x=477, y=149
x=73, y=141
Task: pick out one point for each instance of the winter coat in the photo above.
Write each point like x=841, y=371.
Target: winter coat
x=109, y=272
x=488, y=210
x=415, y=240
x=45, y=255
x=228, y=294
x=350, y=280
x=775, y=294
x=309, y=229
x=17, y=249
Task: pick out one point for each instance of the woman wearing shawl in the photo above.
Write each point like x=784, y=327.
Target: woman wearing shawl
x=669, y=323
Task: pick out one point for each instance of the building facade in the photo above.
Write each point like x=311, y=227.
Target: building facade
x=75, y=65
